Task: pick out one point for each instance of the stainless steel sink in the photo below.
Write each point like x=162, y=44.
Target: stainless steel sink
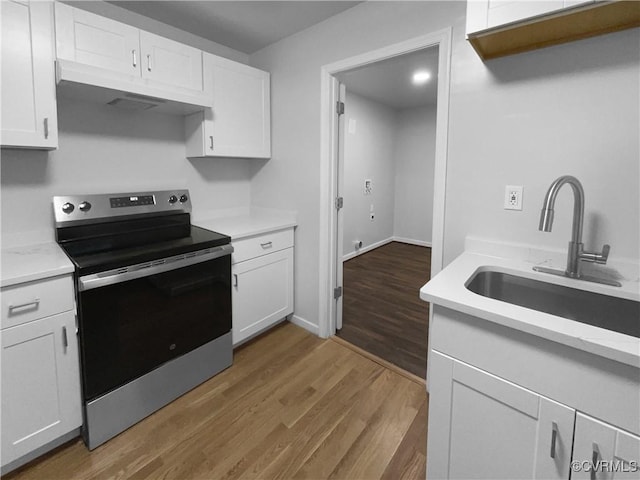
x=604, y=311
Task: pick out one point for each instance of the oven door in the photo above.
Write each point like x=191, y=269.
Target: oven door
x=134, y=319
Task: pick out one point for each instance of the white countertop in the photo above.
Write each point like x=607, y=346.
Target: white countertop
x=448, y=289
x=26, y=263
x=247, y=224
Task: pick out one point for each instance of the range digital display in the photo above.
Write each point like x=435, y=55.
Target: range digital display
x=132, y=201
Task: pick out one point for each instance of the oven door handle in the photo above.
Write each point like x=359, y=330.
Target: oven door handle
x=119, y=275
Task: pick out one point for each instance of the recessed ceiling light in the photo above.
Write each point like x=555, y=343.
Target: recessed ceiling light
x=421, y=77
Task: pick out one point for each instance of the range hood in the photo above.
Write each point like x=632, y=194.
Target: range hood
x=87, y=83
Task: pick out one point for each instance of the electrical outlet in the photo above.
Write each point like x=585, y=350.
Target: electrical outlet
x=513, y=197
x=368, y=186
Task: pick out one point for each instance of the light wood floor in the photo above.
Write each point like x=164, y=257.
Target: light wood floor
x=292, y=406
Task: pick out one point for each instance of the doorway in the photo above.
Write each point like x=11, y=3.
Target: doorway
x=331, y=218
x=385, y=176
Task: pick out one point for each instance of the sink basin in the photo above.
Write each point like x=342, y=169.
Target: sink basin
x=604, y=311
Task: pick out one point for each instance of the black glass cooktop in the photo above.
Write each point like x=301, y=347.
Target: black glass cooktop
x=102, y=247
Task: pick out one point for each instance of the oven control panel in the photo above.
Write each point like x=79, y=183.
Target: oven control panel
x=102, y=207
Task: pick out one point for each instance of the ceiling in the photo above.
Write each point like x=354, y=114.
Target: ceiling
x=389, y=81
x=247, y=26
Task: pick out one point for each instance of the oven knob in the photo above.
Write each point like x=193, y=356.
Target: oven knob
x=173, y=199
x=183, y=198
x=84, y=206
x=67, y=208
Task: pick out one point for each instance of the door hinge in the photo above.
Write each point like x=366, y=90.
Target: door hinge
x=339, y=203
x=337, y=293
x=340, y=108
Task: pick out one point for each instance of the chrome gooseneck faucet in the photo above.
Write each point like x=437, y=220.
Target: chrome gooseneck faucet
x=576, y=254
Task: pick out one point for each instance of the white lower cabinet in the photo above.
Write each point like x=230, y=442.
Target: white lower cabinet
x=604, y=452
x=484, y=427
x=481, y=426
x=40, y=370
x=262, y=291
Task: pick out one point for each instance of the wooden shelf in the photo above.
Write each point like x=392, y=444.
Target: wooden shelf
x=553, y=29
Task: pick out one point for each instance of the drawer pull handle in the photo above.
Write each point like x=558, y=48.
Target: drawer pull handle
x=32, y=305
x=149, y=62
x=554, y=437
x=594, y=461
x=65, y=340
x=211, y=142
x=46, y=128
x=135, y=58
x=235, y=279
x=266, y=245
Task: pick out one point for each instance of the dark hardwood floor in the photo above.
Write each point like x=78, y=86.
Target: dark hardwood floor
x=382, y=310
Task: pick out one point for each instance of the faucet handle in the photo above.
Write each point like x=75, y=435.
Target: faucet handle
x=596, y=257
x=602, y=258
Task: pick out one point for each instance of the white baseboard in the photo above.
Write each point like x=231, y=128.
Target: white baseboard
x=411, y=241
x=366, y=249
x=306, y=324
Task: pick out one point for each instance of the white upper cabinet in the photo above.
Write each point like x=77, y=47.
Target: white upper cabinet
x=28, y=102
x=170, y=62
x=97, y=41
x=239, y=124
x=483, y=14
x=504, y=27
x=110, y=60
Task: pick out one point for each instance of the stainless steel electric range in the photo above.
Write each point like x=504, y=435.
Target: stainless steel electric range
x=154, y=302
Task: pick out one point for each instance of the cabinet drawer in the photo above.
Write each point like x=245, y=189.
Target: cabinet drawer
x=256, y=246
x=30, y=301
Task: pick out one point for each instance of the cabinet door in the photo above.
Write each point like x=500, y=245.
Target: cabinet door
x=483, y=427
x=29, y=115
x=170, y=62
x=40, y=384
x=240, y=121
x=96, y=41
x=262, y=293
x=501, y=12
x=604, y=452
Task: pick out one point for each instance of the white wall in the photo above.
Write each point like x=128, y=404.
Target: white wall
x=415, y=161
x=529, y=118
x=103, y=149
x=396, y=150
x=520, y=120
x=369, y=154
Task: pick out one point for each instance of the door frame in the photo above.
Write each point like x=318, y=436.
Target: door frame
x=329, y=162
